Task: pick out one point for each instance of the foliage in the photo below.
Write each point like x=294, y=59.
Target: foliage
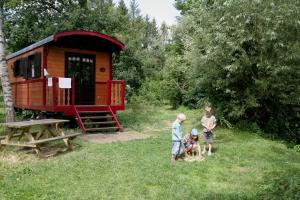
x=240, y=56
x=31, y=21
x=151, y=92
x=297, y=148
x=244, y=57
x=133, y=73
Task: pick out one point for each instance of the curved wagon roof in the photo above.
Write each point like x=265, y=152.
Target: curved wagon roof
x=76, y=39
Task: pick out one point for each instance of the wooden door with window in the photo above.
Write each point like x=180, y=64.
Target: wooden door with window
x=82, y=68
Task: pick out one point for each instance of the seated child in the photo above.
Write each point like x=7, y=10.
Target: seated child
x=208, y=122
x=190, y=142
x=177, y=135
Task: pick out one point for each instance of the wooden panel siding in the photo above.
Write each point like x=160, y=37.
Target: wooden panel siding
x=21, y=98
x=101, y=94
x=36, y=94
x=31, y=94
x=116, y=93
x=102, y=61
x=10, y=63
x=24, y=94
x=56, y=62
x=56, y=67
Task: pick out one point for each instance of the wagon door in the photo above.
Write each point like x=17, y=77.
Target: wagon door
x=82, y=68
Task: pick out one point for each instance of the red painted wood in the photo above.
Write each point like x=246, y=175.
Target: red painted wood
x=89, y=33
x=27, y=81
x=108, y=92
x=109, y=84
x=73, y=91
x=123, y=95
x=28, y=94
x=80, y=123
x=110, y=67
x=16, y=94
x=55, y=91
x=101, y=82
x=44, y=91
x=118, y=125
x=42, y=68
x=69, y=109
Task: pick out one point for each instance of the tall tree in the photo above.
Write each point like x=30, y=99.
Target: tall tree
x=164, y=32
x=244, y=58
x=122, y=7
x=6, y=87
x=134, y=10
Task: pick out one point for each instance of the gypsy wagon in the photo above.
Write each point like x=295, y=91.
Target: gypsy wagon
x=70, y=73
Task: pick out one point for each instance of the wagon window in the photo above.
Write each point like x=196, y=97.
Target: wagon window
x=34, y=66
x=17, y=68
x=23, y=67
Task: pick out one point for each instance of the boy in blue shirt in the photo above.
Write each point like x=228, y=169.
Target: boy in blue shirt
x=177, y=136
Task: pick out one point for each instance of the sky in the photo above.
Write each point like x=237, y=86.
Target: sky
x=161, y=10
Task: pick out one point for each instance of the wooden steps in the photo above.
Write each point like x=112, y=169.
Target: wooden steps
x=92, y=112
x=108, y=122
x=94, y=120
x=96, y=117
x=109, y=129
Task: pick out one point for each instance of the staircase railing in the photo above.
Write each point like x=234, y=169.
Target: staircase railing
x=116, y=120
x=78, y=119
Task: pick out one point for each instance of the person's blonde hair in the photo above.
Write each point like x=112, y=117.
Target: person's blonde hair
x=181, y=116
x=208, y=110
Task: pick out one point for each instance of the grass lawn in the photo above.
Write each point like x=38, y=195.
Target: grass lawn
x=244, y=166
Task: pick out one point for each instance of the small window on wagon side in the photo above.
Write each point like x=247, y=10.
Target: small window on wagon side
x=23, y=67
x=34, y=66
x=20, y=67
x=17, y=68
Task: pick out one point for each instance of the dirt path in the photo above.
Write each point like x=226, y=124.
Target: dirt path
x=109, y=138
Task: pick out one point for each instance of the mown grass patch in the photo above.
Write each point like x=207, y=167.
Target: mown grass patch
x=244, y=166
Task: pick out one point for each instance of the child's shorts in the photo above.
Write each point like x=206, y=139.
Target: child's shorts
x=177, y=148
x=207, y=137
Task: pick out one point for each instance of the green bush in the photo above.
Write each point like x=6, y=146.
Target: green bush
x=243, y=56
x=297, y=148
x=151, y=92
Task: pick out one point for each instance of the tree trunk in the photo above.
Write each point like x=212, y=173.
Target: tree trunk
x=6, y=87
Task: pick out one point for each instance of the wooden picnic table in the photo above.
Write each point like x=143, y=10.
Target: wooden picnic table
x=46, y=130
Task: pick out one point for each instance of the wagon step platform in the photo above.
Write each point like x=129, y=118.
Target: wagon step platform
x=106, y=129
x=101, y=119
x=96, y=117
x=92, y=112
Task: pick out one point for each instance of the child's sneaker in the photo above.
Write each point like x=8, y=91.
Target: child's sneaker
x=209, y=153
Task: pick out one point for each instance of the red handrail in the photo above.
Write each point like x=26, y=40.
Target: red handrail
x=73, y=91
x=108, y=92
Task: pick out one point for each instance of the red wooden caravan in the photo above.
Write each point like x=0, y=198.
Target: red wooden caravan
x=70, y=72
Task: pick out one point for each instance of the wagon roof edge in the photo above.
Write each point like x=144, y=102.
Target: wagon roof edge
x=59, y=35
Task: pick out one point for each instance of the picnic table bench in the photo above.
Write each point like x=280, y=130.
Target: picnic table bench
x=46, y=130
